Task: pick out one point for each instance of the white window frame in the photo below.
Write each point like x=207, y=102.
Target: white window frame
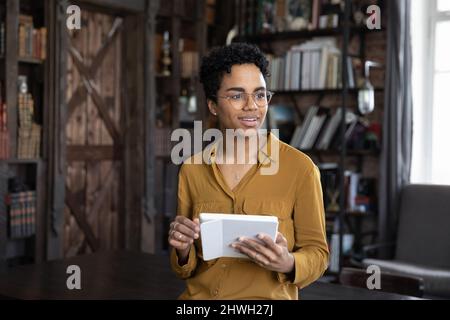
x=432, y=16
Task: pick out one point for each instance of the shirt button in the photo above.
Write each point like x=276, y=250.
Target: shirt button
x=216, y=292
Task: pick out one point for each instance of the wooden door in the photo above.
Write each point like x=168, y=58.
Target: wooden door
x=100, y=154
x=94, y=134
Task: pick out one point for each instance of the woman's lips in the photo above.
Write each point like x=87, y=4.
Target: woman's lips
x=249, y=121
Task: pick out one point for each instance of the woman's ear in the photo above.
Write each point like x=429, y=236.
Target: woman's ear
x=212, y=106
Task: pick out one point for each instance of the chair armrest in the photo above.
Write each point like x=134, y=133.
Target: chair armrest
x=374, y=247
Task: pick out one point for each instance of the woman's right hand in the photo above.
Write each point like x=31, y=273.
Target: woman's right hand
x=182, y=234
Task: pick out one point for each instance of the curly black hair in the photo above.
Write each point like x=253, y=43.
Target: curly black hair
x=221, y=59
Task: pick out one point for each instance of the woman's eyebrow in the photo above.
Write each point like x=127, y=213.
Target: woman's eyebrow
x=243, y=90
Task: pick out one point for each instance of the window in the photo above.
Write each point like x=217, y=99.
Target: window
x=431, y=91
x=443, y=5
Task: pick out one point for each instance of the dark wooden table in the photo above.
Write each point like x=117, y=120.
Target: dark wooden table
x=132, y=275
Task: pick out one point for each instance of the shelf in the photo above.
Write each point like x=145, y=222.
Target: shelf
x=292, y=35
x=351, y=213
x=321, y=91
x=30, y=60
x=355, y=153
x=20, y=161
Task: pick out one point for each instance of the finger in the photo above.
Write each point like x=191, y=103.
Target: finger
x=176, y=235
x=186, y=231
x=270, y=244
x=252, y=254
x=178, y=244
x=260, y=249
x=281, y=240
x=197, y=222
x=187, y=222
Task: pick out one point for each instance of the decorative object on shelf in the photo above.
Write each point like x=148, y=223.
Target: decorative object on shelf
x=298, y=14
x=333, y=195
x=366, y=94
x=266, y=16
x=22, y=84
x=29, y=139
x=166, y=60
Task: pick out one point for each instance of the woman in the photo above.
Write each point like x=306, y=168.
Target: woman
x=233, y=79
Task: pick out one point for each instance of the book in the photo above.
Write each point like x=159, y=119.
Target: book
x=218, y=231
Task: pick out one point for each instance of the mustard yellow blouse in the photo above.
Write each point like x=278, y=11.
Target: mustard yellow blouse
x=293, y=194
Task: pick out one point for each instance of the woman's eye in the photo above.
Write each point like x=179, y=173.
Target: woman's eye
x=236, y=96
x=260, y=96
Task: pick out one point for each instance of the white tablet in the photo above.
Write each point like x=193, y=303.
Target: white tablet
x=218, y=231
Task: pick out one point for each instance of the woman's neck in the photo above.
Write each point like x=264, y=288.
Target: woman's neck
x=240, y=149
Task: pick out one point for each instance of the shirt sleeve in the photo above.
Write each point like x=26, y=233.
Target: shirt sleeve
x=311, y=251
x=184, y=208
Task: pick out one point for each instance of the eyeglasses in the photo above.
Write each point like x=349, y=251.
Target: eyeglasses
x=239, y=101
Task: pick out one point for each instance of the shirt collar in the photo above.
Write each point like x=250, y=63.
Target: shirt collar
x=264, y=153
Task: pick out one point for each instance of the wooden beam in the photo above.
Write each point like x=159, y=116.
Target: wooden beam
x=201, y=38
x=106, y=186
x=57, y=67
x=81, y=93
x=79, y=61
x=3, y=212
x=93, y=92
x=11, y=70
x=93, y=153
x=78, y=97
x=149, y=243
x=115, y=30
x=175, y=64
x=104, y=114
x=80, y=218
x=133, y=102
x=118, y=5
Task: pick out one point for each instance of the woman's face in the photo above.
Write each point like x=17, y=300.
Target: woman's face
x=244, y=78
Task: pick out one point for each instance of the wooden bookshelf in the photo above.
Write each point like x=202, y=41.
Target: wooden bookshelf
x=187, y=22
x=302, y=34
x=31, y=172
x=277, y=44
x=334, y=152
x=352, y=91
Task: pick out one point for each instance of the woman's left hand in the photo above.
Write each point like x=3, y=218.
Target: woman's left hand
x=271, y=255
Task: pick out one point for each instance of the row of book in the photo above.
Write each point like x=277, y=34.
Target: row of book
x=334, y=248
x=189, y=64
x=32, y=41
x=22, y=214
x=4, y=144
x=26, y=109
x=320, y=130
x=313, y=65
x=359, y=191
x=29, y=142
x=270, y=16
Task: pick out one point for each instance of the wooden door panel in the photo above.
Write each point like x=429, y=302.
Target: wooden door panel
x=93, y=134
